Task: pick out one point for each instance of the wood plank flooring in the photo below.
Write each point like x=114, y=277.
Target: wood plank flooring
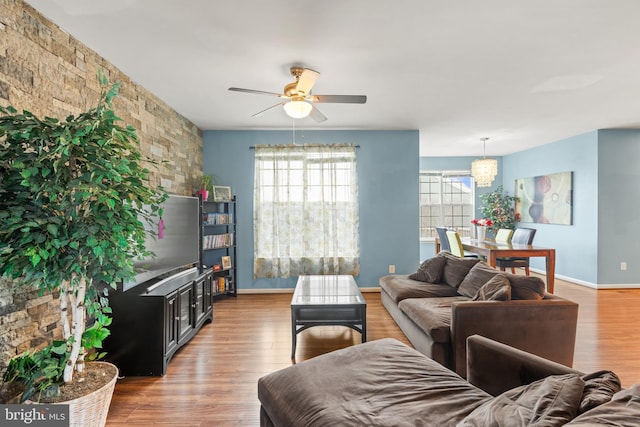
x=213, y=380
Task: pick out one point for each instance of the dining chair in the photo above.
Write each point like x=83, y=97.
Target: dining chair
x=503, y=235
x=522, y=236
x=456, y=245
x=444, y=241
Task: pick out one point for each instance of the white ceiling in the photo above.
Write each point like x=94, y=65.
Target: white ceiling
x=523, y=73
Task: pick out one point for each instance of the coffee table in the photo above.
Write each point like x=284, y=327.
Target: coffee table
x=327, y=300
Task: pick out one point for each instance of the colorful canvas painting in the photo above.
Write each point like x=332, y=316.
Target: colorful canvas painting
x=545, y=199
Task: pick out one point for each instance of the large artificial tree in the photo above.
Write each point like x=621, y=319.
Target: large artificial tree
x=74, y=198
x=499, y=207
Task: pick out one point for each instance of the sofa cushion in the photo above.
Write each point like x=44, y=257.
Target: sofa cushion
x=497, y=288
x=432, y=315
x=621, y=411
x=552, y=401
x=479, y=274
x=430, y=270
x=599, y=388
x=456, y=269
x=526, y=287
x=399, y=287
x=378, y=383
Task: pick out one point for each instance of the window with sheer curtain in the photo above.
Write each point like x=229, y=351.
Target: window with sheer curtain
x=305, y=210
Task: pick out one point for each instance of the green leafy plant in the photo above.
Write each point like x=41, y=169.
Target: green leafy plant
x=73, y=201
x=40, y=372
x=499, y=207
x=207, y=182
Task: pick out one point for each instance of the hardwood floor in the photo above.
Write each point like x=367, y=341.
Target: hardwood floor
x=213, y=380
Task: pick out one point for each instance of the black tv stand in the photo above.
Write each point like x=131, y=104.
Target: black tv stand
x=154, y=319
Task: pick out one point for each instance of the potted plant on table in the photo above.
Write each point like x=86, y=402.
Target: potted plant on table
x=74, y=196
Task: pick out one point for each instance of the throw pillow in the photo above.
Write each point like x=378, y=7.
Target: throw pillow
x=497, y=288
x=479, y=274
x=621, y=410
x=599, y=388
x=552, y=401
x=456, y=269
x=526, y=287
x=430, y=271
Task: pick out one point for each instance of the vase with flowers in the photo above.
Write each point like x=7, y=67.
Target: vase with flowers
x=481, y=227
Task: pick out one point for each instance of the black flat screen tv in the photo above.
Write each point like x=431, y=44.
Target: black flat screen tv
x=176, y=246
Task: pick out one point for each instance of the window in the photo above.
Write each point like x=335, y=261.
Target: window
x=446, y=200
x=305, y=210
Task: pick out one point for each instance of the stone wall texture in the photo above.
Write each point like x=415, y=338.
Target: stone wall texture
x=48, y=72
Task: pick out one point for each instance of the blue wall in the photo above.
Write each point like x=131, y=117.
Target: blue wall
x=577, y=244
x=387, y=165
x=618, y=206
x=427, y=249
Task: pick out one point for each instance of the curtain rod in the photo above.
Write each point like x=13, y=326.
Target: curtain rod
x=253, y=147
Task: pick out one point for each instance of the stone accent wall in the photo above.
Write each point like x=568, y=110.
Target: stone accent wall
x=48, y=72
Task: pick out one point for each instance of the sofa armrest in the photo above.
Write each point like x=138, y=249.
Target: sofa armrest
x=546, y=328
x=495, y=367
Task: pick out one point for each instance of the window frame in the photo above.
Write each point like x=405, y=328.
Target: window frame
x=464, y=227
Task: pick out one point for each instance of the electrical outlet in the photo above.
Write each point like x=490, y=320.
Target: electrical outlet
x=623, y=266
x=392, y=268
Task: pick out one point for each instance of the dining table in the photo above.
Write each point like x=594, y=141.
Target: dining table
x=491, y=250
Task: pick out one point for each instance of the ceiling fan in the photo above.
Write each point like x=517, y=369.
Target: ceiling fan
x=297, y=98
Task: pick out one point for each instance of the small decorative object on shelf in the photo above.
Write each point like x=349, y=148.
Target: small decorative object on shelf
x=226, y=262
x=205, y=187
x=221, y=194
x=218, y=245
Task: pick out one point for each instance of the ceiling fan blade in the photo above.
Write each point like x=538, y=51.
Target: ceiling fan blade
x=259, y=92
x=259, y=113
x=307, y=80
x=339, y=99
x=316, y=115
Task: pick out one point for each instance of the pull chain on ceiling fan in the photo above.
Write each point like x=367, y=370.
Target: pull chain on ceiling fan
x=299, y=101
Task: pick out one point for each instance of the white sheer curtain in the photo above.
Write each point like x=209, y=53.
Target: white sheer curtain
x=305, y=210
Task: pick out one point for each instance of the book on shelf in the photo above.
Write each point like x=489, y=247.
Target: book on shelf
x=213, y=218
x=220, y=284
x=216, y=241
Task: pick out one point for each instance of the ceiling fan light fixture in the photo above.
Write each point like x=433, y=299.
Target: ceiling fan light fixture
x=297, y=109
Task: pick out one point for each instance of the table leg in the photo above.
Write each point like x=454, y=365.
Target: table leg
x=294, y=334
x=551, y=269
x=364, y=324
x=492, y=259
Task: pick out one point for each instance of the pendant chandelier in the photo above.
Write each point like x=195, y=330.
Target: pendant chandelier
x=484, y=170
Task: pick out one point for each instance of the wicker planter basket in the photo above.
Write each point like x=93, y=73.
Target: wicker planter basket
x=91, y=410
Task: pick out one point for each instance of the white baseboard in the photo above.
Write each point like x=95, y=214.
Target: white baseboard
x=288, y=290
x=590, y=284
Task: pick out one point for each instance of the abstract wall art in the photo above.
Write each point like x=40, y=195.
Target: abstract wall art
x=545, y=199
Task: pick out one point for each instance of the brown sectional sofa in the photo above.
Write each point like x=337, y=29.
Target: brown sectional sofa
x=386, y=383
x=450, y=298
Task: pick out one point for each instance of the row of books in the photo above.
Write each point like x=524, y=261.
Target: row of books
x=215, y=241
x=221, y=284
x=217, y=218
